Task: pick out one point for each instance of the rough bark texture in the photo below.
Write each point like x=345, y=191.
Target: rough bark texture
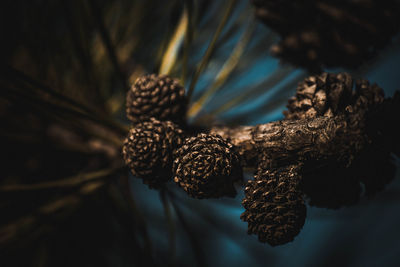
x=364, y=119
x=316, y=139
x=324, y=158
x=336, y=153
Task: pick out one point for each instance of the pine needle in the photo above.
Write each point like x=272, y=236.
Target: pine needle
x=73, y=181
x=256, y=91
x=225, y=71
x=211, y=47
x=170, y=55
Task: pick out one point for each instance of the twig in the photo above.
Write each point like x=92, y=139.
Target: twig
x=318, y=140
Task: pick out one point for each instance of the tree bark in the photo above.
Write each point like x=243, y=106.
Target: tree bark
x=318, y=140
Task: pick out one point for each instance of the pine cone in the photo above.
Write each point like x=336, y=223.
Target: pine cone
x=206, y=166
x=155, y=96
x=329, y=33
x=275, y=210
x=148, y=150
x=331, y=94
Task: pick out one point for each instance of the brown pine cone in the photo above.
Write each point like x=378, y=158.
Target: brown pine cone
x=329, y=33
x=206, y=166
x=275, y=209
x=148, y=150
x=155, y=96
x=332, y=94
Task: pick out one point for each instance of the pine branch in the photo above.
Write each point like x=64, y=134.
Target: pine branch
x=319, y=140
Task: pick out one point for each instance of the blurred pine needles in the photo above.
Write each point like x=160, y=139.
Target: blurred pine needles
x=65, y=197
